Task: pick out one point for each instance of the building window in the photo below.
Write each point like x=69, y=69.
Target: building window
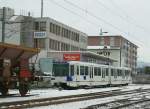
x=55, y=29
x=53, y=44
x=39, y=43
x=42, y=26
x=36, y=26
x=75, y=36
x=51, y=27
x=65, y=47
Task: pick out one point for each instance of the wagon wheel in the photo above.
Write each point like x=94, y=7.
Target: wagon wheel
x=3, y=89
x=23, y=89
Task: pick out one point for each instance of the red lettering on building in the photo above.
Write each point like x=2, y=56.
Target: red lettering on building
x=71, y=57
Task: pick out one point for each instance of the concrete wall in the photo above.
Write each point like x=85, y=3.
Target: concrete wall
x=141, y=79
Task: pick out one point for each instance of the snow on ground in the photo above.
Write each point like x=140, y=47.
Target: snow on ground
x=83, y=104
x=79, y=105
x=135, y=86
x=45, y=93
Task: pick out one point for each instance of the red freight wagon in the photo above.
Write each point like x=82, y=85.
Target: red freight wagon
x=14, y=59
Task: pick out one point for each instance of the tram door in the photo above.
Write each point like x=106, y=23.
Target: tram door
x=91, y=75
x=77, y=77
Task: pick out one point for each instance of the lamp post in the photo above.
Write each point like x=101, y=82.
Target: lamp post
x=101, y=32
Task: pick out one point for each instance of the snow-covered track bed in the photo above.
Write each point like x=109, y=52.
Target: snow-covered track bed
x=136, y=101
x=67, y=99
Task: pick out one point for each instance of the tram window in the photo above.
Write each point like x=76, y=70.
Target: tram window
x=115, y=73
x=106, y=71
x=120, y=72
x=92, y=72
x=77, y=70
x=103, y=73
x=64, y=72
x=86, y=70
x=99, y=71
x=61, y=69
x=95, y=71
x=112, y=72
x=81, y=70
x=123, y=74
x=126, y=72
x=72, y=70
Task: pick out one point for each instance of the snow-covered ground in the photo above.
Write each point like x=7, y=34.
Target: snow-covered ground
x=45, y=93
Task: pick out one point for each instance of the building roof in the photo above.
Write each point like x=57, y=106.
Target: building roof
x=60, y=23
x=115, y=36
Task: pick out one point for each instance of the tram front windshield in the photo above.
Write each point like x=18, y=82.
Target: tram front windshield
x=60, y=69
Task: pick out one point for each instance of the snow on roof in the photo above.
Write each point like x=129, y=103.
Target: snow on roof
x=97, y=47
x=13, y=18
x=103, y=47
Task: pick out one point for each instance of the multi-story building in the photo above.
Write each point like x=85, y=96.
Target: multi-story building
x=116, y=47
x=44, y=33
x=52, y=35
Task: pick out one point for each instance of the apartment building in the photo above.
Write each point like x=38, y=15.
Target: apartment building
x=116, y=47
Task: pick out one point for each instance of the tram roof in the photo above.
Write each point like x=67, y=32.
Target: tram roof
x=11, y=51
x=95, y=64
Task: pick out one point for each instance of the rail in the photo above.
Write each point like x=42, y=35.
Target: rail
x=67, y=99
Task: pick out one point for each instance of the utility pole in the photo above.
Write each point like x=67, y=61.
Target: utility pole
x=3, y=24
x=41, y=8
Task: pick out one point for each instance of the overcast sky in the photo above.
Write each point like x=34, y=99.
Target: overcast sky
x=129, y=18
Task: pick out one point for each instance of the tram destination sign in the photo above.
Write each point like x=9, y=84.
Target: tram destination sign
x=71, y=57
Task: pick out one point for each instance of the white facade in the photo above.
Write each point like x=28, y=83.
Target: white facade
x=60, y=35
x=109, y=53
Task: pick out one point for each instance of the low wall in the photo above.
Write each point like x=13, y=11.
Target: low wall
x=141, y=79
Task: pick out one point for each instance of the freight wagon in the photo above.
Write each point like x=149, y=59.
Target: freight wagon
x=14, y=67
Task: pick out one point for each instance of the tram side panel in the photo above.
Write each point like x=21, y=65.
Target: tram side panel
x=88, y=75
x=119, y=76
x=82, y=75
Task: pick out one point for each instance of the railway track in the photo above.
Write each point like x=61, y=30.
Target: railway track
x=141, y=102
x=67, y=99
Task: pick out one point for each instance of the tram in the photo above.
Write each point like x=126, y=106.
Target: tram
x=83, y=74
